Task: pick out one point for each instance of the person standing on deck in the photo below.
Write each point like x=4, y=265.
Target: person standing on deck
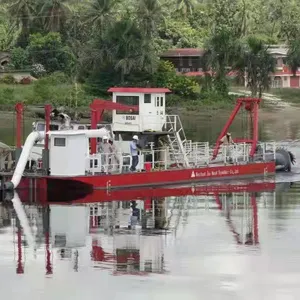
x=134, y=147
x=106, y=153
x=114, y=158
x=227, y=141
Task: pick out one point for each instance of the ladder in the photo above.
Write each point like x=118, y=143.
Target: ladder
x=177, y=139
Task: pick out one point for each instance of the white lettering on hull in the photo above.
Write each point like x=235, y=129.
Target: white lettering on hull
x=209, y=173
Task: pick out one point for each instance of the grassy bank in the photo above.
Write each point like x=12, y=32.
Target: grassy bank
x=40, y=93
x=66, y=94
x=287, y=95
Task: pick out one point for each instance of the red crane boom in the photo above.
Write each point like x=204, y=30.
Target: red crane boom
x=98, y=107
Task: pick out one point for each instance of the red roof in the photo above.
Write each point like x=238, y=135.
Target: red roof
x=202, y=73
x=138, y=90
x=183, y=52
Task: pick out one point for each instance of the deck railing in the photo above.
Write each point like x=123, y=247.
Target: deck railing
x=200, y=155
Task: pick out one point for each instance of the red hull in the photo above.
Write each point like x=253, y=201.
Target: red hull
x=177, y=176
x=39, y=196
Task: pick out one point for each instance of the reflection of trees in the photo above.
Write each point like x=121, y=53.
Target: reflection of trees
x=294, y=129
x=287, y=197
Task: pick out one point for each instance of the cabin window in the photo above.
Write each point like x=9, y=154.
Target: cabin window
x=147, y=98
x=157, y=102
x=41, y=127
x=60, y=240
x=161, y=101
x=128, y=100
x=93, y=163
x=81, y=127
x=60, y=142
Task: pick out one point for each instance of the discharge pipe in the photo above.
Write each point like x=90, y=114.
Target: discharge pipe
x=32, y=138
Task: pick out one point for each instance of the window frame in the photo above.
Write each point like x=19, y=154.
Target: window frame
x=59, y=139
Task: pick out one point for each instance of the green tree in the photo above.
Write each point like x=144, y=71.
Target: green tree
x=257, y=63
x=185, y=6
x=54, y=14
x=221, y=51
x=293, y=57
x=19, y=58
x=49, y=51
x=149, y=16
x=9, y=32
x=100, y=14
x=22, y=11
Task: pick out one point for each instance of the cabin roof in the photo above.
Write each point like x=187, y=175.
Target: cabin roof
x=188, y=52
x=138, y=90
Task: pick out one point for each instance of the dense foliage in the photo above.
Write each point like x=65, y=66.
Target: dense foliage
x=100, y=43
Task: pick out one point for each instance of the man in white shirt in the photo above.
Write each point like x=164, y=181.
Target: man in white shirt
x=106, y=152
x=227, y=142
x=134, y=147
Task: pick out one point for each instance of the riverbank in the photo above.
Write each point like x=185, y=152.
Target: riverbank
x=199, y=125
x=70, y=95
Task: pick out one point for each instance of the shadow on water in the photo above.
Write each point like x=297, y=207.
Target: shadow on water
x=207, y=240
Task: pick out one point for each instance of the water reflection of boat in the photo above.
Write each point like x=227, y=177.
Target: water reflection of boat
x=138, y=250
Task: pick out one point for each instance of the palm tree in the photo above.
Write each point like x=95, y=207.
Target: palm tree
x=54, y=14
x=149, y=14
x=293, y=56
x=257, y=63
x=22, y=11
x=123, y=49
x=9, y=31
x=100, y=14
x=220, y=53
x=185, y=6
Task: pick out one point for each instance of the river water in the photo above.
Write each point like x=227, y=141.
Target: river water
x=221, y=246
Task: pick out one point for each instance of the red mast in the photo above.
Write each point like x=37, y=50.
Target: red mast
x=97, y=109
x=251, y=105
x=19, y=108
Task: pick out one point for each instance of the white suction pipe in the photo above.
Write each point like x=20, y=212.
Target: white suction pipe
x=32, y=138
x=19, y=209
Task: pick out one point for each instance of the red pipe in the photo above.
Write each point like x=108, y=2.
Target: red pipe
x=20, y=267
x=19, y=108
x=94, y=122
x=255, y=129
x=48, y=109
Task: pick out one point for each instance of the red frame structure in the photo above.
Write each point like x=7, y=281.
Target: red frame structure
x=251, y=105
x=19, y=108
x=98, y=107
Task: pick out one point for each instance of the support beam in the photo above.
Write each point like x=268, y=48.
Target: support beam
x=226, y=127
